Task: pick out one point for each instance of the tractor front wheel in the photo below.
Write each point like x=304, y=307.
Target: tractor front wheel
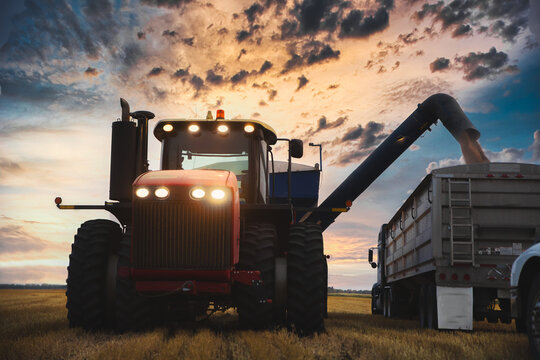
x=92, y=263
x=257, y=252
x=306, y=279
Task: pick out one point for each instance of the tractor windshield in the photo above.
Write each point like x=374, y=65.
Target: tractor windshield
x=208, y=150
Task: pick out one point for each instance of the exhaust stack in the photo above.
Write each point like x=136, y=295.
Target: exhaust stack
x=437, y=107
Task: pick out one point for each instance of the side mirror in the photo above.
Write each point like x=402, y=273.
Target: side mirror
x=296, y=148
x=370, y=259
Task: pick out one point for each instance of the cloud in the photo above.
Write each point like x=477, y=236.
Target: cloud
x=462, y=30
x=141, y=35
x=239, y=77
x=90, y=72
x=8, y=166
x=416, y=90
x=312, y=52
x=166, y=3
x=197, y=83
x=15, y=239
x=181, y=73
x=302, y=81
x=272, y=93
x=213, y=78
x=324, y=124
x=507, y=16
x=443, y=163
x=156, y=71
x=267, y=65
x=361, y=141
x=188, y=41
x=253, y=11
x=243, y=35
x=410, y=38
x=484, y=65
x=439, y=64
x=169, y=33
x=357, y=26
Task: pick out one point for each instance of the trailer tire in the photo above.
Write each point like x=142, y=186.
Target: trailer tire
x=422, y=307
x=88, y=296
x=305, y=279
x=431, y=306
x=532, y=316
x=257, y=252
x=133, y=311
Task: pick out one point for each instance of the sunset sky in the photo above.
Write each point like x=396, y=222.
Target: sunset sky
x=340, y=73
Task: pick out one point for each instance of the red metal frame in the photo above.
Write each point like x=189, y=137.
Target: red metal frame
x=184, y=287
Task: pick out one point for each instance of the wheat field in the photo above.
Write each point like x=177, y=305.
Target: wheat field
x=33, y=325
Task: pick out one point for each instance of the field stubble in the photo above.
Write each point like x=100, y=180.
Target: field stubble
x=33, y=325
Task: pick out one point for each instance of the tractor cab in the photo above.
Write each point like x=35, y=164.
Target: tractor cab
x=239, y=146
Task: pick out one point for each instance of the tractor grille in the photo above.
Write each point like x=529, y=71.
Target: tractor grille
x=181, y=235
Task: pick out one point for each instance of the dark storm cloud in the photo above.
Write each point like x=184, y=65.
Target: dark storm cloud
x=253, y=11
x=509, y=32
x=188, y=41
x=166, y=3
x=410, y=38
x=359, y=26
x=156, y=71
x=484, y=65
x=272, y=94
x=267, y=65
x=302, y=81
x=169, y=33
x=509, y=16
x=321, y=53
x=362, y=140
x=129, y=55
x=462, y=30
x=181, y=73
x=242, y=35
x=324, y=124
x=18, y=86
x=439, y=64
x=213, y=78
x=44, y=29
x=90, y=71
x=239, y=77
x=197, y=83
x=313, y=52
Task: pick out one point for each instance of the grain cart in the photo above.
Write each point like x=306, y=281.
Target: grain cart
x=448, y=251
x=218, y=227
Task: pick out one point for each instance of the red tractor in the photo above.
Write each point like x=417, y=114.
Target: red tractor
x=218, y=226
x=213, y=229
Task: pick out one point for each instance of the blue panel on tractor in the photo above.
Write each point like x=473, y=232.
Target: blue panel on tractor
x=304, y=189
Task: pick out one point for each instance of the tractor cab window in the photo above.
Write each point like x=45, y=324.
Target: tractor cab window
x=209, y=150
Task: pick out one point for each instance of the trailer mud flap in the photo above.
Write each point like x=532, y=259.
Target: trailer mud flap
x=455, y=308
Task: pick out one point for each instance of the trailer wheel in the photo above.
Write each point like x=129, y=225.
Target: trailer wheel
x=257, y=252
x=305, y=279
x=91, y=263
x=422, y=307
x=431, y=306
x=132, y=309
x=533, y=317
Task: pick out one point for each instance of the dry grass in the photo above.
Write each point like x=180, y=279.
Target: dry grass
x=33, y=325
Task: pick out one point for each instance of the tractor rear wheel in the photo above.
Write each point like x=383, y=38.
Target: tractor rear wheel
x=306, y=279
x=91, y=265
x=257, y=252
x=132, y=309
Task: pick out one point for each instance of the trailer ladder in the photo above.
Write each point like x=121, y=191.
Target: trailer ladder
x=461, y=222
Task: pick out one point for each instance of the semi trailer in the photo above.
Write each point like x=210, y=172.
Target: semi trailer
x=447, y=253
x=221, y=225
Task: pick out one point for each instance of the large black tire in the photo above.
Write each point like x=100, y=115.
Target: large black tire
x=431, y=306
x=133, y=311
x=305, y=279
x=422, y=307
x=532, y=316
x=89, y=299
x=257, y=252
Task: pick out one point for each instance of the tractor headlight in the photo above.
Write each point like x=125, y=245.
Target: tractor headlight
x=161, y=192
x=142, y=192
x=218, y=194
x=197, y=193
